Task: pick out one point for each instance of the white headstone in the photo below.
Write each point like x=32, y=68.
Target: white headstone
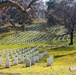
x=37, y=58
x=28, y=62
x=13, y=57
x=7, y=56
x=32, y=61
x=56, y=45
x=3, y=53
x=15, y=61
x=62, y=44
x=7, y=63
x=22, y=59
x=72, y=68
x=19, y=52
x=50, y=60
x=18, y=56
x=67, y=44
x=0, y=61
x=40, y=57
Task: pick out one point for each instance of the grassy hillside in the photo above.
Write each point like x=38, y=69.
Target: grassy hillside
x=64, y=56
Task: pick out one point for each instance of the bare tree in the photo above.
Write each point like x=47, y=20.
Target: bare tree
x=25, y=12
x=68, y=9
x=13, y=4
x=65, y=11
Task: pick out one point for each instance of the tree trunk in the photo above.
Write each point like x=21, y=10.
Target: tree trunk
x=23, y=22
x=13, y=24
x=23, y=27
x=71, y=38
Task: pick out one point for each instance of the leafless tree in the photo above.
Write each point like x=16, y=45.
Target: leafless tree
x=65, y=11
x=24, y=11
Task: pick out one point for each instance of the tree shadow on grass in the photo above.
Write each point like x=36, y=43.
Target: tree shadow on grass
x=64, y=48
x=58, y=56
x=10, y=73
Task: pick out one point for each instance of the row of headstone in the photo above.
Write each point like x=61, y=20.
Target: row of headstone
x=15, y=59
x=63, y=38
x=42, y=55
x=32, y=50
x=23, y=50
x=34, y=28
x=29, y=55
x=28, y=51
x=36, y=39
x=40, y=38
x=58, y=45
x=7, y=54
x=8, y=64
x=33, y=60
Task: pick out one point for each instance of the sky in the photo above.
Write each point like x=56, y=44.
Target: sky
x=45, y=0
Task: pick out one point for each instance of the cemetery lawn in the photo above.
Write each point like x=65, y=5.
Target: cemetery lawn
x=64, y=58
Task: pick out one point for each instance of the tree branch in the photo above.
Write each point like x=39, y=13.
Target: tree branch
x=12, y=4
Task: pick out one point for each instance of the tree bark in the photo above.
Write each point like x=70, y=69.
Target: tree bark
x=20, y=8
x=23, y=27
x=12, y=4
x=71, y=38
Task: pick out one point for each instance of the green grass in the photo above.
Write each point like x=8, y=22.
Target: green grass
x=64, y=58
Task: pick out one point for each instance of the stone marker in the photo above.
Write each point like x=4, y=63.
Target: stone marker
x=32, y=61
x=0, y=61
x=67, y=44
x=19, y=52
x=72, y=68
x=50, y=60
x=7, y=63
x=40, y=57
x=7, y=56
x=22, y=59
x=18, y=56
x=15, y=61
x=56, y=45
x=62, y=44
x=3, y=52
x=37, y=58
x=28, y=62
x=13, y=57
